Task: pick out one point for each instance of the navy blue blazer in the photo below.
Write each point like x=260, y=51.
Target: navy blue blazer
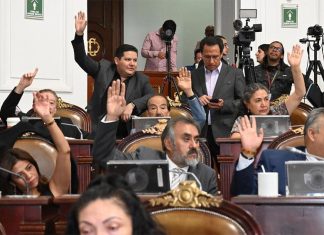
x=246, y=180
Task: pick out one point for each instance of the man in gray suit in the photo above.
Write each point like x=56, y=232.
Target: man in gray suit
x=220, y=88
x=180, y=140
x=139, y=89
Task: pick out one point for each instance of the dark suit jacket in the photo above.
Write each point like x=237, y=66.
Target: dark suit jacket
x=138, y=91
x=229, y=87
x=245, y=181
x=104, y=149
x=8, y=109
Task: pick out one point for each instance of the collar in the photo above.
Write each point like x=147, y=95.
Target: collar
x=217, y=69
x=172, y=165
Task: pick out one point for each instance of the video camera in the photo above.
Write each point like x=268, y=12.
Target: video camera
x=246, y=34
x=168, y=30
x=315, y=31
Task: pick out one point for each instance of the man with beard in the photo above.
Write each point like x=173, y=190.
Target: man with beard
x=274, y=73
x=180, y=141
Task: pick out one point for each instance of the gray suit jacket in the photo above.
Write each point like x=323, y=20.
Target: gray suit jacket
x=229, y=87
x=104, y=149
x=138, y=91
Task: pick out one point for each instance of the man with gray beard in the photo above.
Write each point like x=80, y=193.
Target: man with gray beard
x=180, y=142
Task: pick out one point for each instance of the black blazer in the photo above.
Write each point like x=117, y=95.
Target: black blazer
x=138, y=91
x=229, y=87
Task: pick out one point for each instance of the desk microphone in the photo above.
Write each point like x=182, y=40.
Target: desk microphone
x=295, y=150
x=188, y=173
x=79, y=130
x=19, y=176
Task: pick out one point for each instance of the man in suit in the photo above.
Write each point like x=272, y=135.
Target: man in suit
x=216, y=80
x=10, y=108
x=245, y=175
x=179, y=141
x=139, y=89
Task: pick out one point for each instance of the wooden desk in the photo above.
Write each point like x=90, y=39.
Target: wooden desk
x=230, y=150
x=81, y=151
x=27, y=215
x=285, y=215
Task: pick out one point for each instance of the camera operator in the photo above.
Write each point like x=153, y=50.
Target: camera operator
x=274, y=73
x=154, y=48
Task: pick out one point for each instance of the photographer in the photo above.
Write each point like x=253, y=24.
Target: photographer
x=154, y=48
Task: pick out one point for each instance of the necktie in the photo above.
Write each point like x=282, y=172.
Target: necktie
x=176, y=177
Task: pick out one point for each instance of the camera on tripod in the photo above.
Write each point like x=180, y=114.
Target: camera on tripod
x=246, y=34
x=315, y=31
x=168, y=30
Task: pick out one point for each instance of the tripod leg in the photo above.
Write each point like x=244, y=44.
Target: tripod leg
x=309, y=70
x=319, y=64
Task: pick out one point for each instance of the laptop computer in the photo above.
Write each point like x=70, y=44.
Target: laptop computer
x=272, y=125
x=141, y=123
x=144, y=176
x=305, y=178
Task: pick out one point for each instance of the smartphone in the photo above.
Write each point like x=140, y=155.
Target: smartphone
x=214, y=100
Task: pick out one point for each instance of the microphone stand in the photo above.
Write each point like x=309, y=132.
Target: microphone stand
x=188, y=173
x=19, y=176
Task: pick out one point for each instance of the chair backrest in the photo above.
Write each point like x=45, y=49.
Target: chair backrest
x=176, y=111
x=188, y=210
x=291, y=138
x=77, y=115
x=42, y=151
x=139, y=139
x=299, y=116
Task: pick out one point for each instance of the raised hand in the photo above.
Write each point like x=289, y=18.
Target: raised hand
x=251, y=138
x=41, y=106
x=116, y=102
x=294, y=57
x=25, y=81
x=80, y=23
x=184, y=81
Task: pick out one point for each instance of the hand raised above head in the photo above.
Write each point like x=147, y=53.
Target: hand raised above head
x=184, y=81
x=25, y=81
x=80, y=23
x=294, y=57
x=116, y=102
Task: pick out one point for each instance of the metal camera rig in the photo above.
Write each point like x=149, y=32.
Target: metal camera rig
x=316, y=34
x=242, y=40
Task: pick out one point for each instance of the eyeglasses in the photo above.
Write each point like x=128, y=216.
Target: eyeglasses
x=279, y=49
x=208, y=57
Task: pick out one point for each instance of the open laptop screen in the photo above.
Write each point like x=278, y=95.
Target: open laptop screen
x=144, y=176
x=272, y=125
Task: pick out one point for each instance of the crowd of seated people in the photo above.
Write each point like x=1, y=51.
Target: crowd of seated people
x=214, y=92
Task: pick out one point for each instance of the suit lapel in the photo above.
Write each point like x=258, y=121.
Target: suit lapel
x=220, y=81
x=106, y=82
x=203, y=82
x=130, y=87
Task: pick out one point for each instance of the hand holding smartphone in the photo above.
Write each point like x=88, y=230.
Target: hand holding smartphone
x=214, y=100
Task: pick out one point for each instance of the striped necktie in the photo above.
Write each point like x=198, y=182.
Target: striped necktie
x=176, y=177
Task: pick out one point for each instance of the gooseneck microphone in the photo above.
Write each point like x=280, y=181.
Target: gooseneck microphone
x=19, y=176
x=188, y=173
x=79, y=130
x=295, y=150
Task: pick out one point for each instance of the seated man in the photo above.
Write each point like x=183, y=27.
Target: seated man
x=158, y=105
x=179, y=141
x=245, y=177
x=9, y=108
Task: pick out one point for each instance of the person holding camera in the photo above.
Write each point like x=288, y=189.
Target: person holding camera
x=154, y=48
